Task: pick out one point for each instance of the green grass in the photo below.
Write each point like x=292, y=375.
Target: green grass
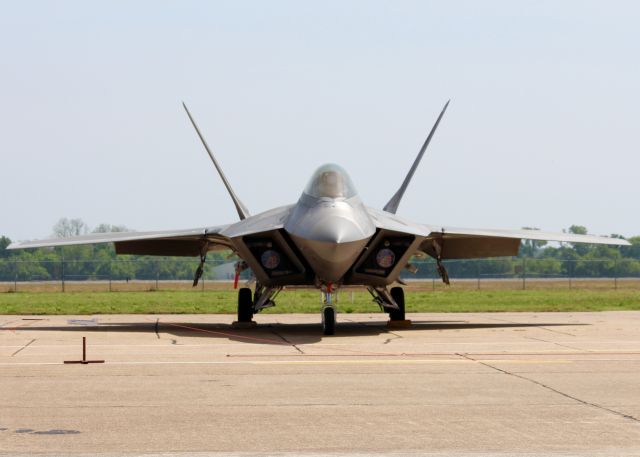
x=305, y=301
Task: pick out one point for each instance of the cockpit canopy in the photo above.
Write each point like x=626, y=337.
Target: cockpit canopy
x=330, y=181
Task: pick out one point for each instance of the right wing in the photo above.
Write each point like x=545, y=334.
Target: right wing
x=460, y=243
x=471, y=243
x=188, y=243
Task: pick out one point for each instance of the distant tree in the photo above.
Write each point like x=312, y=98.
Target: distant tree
x=4, y=242
x=581, y=249
x=108, y=228
x=632, y=251
x=530, y=248
x=578, y=230
x=66, y=228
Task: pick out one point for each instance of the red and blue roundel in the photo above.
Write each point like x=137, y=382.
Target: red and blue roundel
x=385, y=258
x=270, y=259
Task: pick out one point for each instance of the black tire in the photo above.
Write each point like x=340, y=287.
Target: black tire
x=245, y=305
x=329, y=321
x=398, y=295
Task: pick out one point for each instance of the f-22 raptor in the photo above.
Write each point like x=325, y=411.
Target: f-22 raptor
x=326, y=240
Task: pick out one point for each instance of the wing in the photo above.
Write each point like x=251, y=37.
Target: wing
x=189, y=242
x=461, y=243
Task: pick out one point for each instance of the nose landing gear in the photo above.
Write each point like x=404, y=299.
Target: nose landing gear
x=329, y=310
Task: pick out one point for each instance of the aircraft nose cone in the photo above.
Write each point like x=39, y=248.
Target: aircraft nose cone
x=335, y=229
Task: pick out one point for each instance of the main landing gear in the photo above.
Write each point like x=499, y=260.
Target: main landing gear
x=391, y=302
x=245, y=305
x=251, y=303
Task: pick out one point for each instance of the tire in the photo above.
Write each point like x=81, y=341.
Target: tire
x=329, y=321
x=398, y=295
x=245, y=305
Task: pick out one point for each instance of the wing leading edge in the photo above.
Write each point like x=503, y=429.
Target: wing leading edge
x=188, y=242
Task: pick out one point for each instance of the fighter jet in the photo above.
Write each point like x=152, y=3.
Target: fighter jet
x=328, y=239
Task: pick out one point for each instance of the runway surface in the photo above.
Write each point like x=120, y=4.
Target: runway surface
x=454, y=384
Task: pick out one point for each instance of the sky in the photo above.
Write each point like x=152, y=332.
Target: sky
x=542, y=130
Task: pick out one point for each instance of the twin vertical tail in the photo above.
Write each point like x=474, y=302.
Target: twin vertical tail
x=243, y=213
x=392, y=205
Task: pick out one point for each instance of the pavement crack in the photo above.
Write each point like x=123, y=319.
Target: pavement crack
x=557, y=344
x=541, y=327
x=551, y=389
x=287, y=341
x=24, y=347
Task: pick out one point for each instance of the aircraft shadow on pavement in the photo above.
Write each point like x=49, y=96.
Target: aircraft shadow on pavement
x=279, y=333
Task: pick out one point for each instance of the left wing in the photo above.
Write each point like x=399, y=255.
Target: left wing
x=188, y=243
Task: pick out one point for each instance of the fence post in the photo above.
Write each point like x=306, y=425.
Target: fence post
x=62, y=267
x=110, y=273
x=15, y=277
x=524, y=273
x=478, y=273
x=615, y=274
x=570, y=274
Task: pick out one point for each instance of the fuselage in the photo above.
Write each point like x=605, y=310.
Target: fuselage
x=329, y=224
x=327, y=238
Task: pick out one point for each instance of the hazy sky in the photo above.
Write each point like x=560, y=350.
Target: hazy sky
x=542, y=129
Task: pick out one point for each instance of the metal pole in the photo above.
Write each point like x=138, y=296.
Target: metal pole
x=478, y=272
x=524, y=273
x=15, y=277
x=615, y=274
x=110, y=273
x=62, y=267
x=84, y=348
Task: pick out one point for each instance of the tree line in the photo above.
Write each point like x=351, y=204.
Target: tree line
x=536, y=258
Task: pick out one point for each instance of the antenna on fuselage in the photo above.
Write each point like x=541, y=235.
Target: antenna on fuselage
x=392, y=205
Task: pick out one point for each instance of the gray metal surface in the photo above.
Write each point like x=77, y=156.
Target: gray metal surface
x=243, y=213
x=392, y=205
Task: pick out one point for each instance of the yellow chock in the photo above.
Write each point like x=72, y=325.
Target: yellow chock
x=399, y=324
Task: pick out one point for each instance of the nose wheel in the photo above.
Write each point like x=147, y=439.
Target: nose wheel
x=329, y=320
x=329, y=309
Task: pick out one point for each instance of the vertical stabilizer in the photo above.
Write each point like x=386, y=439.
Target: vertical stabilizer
x=392, y=205
x=242, y=210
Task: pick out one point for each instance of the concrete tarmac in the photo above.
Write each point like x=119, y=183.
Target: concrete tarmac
x=450, y=384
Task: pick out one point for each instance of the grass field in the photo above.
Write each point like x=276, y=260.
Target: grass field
x=419, y=298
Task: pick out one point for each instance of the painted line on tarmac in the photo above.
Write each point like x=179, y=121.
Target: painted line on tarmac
x=308, y=362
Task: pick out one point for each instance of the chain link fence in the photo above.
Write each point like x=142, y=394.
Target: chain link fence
x=155, y=274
